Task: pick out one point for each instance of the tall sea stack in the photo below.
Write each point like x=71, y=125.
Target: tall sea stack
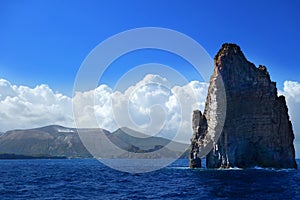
x=256, y=129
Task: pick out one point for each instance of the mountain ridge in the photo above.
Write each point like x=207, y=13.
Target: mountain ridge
x=60, y=141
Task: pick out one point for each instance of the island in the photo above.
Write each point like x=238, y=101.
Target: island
x=245, y=123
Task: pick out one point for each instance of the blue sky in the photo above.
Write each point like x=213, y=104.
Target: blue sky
x=46, y=41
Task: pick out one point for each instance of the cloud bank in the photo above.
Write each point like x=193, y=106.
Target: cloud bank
x=148, y=106
x=25, y=107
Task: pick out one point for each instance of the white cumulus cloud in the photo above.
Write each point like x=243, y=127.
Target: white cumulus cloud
x=25, y=107
x=150, y=106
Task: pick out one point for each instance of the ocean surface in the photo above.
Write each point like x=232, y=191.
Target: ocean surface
x=89, y=179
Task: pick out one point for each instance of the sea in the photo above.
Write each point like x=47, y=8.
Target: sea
x=90, y=179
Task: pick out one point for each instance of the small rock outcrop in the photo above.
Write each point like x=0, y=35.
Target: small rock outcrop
x=245, y=123
x=199, y=126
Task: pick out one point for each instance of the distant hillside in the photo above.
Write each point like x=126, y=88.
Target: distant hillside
x=53, y=141
x=50, y=140
x=124, y=137
x=137, y=142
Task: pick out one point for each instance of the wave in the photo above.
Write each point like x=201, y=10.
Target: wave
x=234, y=169
x=180, y=168
x=273, y=169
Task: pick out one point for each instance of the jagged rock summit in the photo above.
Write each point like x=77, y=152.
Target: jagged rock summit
x=256, y=130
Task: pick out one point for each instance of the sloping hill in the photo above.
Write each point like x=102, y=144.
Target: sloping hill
x=128, y=137
x=54, y=140
x=50, y=140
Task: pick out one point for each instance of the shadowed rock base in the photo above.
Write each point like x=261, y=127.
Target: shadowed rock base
x=195, y=163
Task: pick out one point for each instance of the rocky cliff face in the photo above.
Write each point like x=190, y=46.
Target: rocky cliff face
x=243, y=107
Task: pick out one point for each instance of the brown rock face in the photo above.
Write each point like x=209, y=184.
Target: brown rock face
x=256, y=129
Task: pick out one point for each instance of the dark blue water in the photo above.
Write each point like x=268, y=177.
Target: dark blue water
x=89, y=179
